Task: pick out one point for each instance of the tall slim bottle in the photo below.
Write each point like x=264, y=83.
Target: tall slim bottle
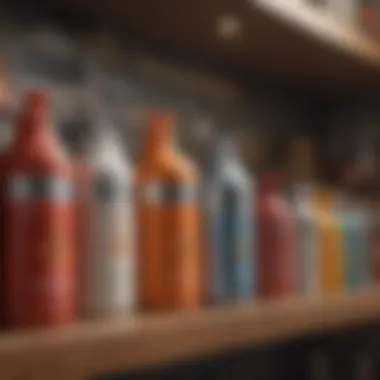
x=277, y=257
x=330, y=243
x=302, y=170
x=229, y=204
x=109, y=257
x=356, y=244
x=375, y=241
x=168, y=221
x=39, y=222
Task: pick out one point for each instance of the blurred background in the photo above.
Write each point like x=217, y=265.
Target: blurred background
x=295, y=82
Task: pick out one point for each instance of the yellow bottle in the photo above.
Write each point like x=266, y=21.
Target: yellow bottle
x=330, y=251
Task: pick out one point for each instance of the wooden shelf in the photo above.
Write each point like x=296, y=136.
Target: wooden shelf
x=323, y=27
x=79, y=351
x=282, y=43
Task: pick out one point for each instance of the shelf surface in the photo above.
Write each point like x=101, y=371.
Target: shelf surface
x=79, y=351
x=282, y=41
x=323, y=27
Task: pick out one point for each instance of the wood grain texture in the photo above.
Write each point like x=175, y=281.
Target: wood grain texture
x=88, y=348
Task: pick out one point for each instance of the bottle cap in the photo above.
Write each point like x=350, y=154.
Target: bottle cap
x=269, y=183
x=227, y=146
x=160, y=125
x=159, y=120
x=35, y=104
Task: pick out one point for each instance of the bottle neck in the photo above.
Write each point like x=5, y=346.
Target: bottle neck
x=33, y=129
x=269, y=185
x=33, y=123
x=224, y=152
x=159, y=138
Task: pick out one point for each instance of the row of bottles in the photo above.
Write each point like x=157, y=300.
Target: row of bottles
x=92, y=236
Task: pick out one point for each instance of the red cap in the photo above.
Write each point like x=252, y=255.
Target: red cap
x=269, y=183
x=35, y=104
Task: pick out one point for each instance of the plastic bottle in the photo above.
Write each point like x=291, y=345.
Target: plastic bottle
x=109, y=260
x=277, y=257
x=329, y=242
x=168, y=221
x=375, y=241
x=306, y=237
x=302, y=172
x=229, y=205
x=355, y=227
x=39, y=222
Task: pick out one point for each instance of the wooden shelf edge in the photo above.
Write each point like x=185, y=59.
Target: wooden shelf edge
x=326, y=29
x=85, y=349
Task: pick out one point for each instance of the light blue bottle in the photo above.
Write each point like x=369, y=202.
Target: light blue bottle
x=355, y=228
x=229, y=213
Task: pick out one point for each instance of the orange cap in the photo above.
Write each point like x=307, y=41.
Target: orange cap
x=160, y=122
x=159, y=131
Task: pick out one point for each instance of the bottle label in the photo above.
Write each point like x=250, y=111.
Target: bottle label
x=41, y=242
x=107, y=189
x=169, y=192
x=235, y=247
x=109, y=272
x=22, y=187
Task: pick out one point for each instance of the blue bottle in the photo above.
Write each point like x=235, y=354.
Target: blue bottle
x=355, y=227
x=229, y=210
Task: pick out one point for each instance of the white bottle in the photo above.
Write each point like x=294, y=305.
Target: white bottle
x=109, y=265
x=307, y=241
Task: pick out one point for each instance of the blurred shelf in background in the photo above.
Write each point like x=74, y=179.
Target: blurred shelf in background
x=286, y=43
x=89, y=348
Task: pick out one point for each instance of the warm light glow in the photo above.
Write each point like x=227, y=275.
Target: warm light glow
x=228, y=26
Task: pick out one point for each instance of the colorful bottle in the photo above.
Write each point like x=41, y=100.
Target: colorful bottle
x=375, y=241
x=229, y=205
x=355, y=229
x=306, y=238
x=329, y=243
x=39, y=222
x=302, y=172
x=277, y=257
x=109, y=259
x=168, y=222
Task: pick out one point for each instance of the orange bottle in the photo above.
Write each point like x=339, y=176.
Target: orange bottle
x=329, y=243
x=168, y=222
x=39, y=223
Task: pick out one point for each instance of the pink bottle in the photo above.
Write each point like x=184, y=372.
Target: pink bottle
x=277, y=258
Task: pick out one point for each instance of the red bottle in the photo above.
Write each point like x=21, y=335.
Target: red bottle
x=277, y=260
x=39, y=223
